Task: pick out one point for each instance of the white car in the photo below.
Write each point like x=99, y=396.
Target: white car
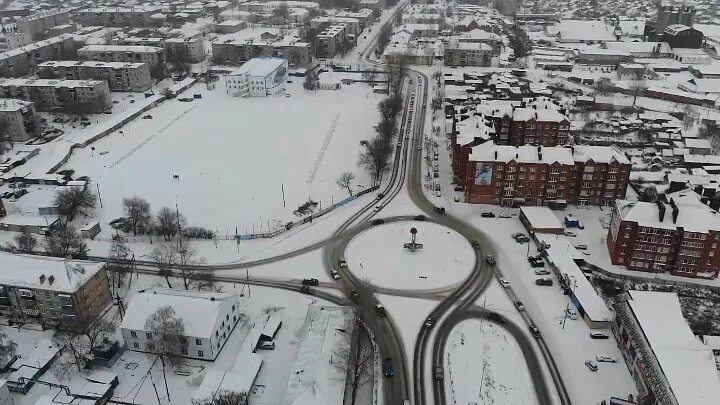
x=572, y=314
x=335, y=274
x=591, y=365
x=419, y=147
x=504, y=283
x=504, y=215
x=569, y=233
x=377, y=208
x=604, y=358
x=581, y=246
x=542, y=272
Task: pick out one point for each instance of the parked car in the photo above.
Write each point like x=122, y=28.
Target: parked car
x=581, y=246
x=419, y=217
x=534, y=330
x=19, y=193
x=487, y=215
x=519, y=305
x=388, y=367
x=440, y=210
x=7, y=194
x=572, y=314
x=504, y=215
x=571, y=234
x=334, y=273
x=310, y=281
x=378, y=221
x=599, y=335
x=490, y=259
x=380, y=310
x=542, y=272
x=147, y=117
x=544, y=281
x=591, y=365
x=604, y=358
x=537, y=263
x=460, y=188
x=354, y=295
x=439, y=373
x=517, y=235
x=475, y=244
x=266, y=345
x=504, y=283
x=429, y=322
x=522, y=239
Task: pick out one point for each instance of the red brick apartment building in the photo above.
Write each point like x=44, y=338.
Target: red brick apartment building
x=536, y=175
x=683, y=240
x=520, y=126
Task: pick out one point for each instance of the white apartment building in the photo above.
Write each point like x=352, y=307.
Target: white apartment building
x=208, y=319
x=192, y=47
x=118, y=16
x=83, y=96
x=37, y=24
x=21, y=61
x=123, y=53
x=21, y=119
x=258, y=77
x=121, y=76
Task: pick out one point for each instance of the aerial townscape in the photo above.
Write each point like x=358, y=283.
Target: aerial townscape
x=360, y=202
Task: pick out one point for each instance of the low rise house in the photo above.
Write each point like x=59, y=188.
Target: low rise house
x=208, y=319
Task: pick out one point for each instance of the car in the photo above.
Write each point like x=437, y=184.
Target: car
x=538, y=256
x=487, y=214
x=266, y=345
x=586, y=253
x=287, y=94
x=571, y=313
x=438, y=193
x=591, y=365
x=534, y=330
x=599, y=335
x=147, y=117
x=377, y=208
x=380, y=310
x=342, y=263
x=7, y=194
x=439, y=373
x=522, y=239
x=388, y=367
x=537, y=263
x=440, y=210
x=459, y=188
x=497, y=318
x=407, y=136
x=429, y=322
x=335, y=275
x=305, y=289
x=310, y=281
x=399, y=144
x=378, y=221
x=504, y=215
x=490, y=259
x=475, y=244
x=604, y=358
x=517, y=235
x=569, y=233
x=519, y=305
x=581, y=246
x=420, y=217
x=19, y=193
x=354, y=295
x=542, y=272
x=185, y=99
x=380, y=196
x=544, y=281
x=419, y=147
x=504, y=283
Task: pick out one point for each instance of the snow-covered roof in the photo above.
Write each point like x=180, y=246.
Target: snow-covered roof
x=19, y=82
x=27, y=271
x=471, y=128
x=691, y=218
x=541, y=217
x=259, y=67
x=91, y=63
x=11, y=104
x=688, y=365
x=632, y=27
x=239, y=380
x=490, y=152
x=585, y=30
x=539, y=114
x=121, y=48
x=639, y=47
x=198, y=309
x=599, y=154
x=698, y=143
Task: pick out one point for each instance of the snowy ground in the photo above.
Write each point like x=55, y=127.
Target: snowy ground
x=445, y=259
x=483, y=364
x=234, y=157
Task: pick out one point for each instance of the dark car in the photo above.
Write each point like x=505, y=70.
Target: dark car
x=354, y=295
x=475, y=244
x=7, y=194
x=544, y=281
x=378, y=221
x=20, y=193
x=459, y=188
x=305, y=289
x=429, y=322
x=490, y=259
x=388, y=367
x=497, y=318
x=440, y=210
x=487, y=215
x=147, y=117
x=419, y=217
x=380, y=195
x=519, y=305
x=310, y=281
x=538, y=256
x=534, y=330
x=537, y=263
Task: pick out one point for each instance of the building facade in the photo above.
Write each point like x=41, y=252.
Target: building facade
x=36, y=25
x=120, y=76
x=22, y=61
x=118, y=16
x=536, y=175
x=237, y=52
x=683, y=240
x=192, y=49
x=468, y=54
x=668, y=15
x=81, y=96
x=330, y=40
x=258, y=77
x=151, y=55
x=21, y=119
x=208, y=319
x=52, y=292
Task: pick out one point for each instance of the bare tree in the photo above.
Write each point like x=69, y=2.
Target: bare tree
x=345, y=180
x=78, y=344
x=26, y=242
x=66, y=241
x=168, y=222
x=192, y=276
x=168, y=333
x=223, y=397
x=282, y=11
x=637, y=87
x=690, y=116
x=72, y=201
x=355, y=358
x=437, y=76
x=120, y=258
x=370, y=76
x=165, y=258
x=7, y=348
x=375, y=157
x=137, y=209
x=604, y=86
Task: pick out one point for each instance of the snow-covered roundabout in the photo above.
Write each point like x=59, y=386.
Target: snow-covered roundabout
x=378, y=255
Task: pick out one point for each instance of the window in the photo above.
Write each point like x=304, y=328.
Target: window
x=198, y=342
x=148, y=335
x=133, y=334
x=182, y=340
x=200, y=353
x=136, y=345
x=151, y=347
x=184, y=351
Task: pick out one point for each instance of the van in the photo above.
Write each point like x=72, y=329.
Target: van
x=599, y=335
x=380, y=310
x=266, y=345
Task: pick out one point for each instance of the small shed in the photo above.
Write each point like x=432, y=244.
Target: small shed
x=540, y=220
x=90, y=230
x=272, y=326
x=571, y=222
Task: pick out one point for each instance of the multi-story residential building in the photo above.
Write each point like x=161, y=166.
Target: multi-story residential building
x=269, y=6
x=364, y=16
x=83, y=96
x=680, y=238
x=20, y=118
x=192, y=49
x=151, y=55
x=544, y=126
x=36, y=25
x=669, y=364
x=468, y=54
x=330, y=41
x=372, y=4
x=352, y=25
x=120, y=76
x=63, y=293
x=22, y=61
x=537, y=175
x=118, y=17
x=208, y=320
x=234, y=51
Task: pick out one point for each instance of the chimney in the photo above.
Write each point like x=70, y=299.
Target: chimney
x=495, y=155
x=539, y=156
x=42, y=278
x=517, y=156
x=661, y=211
x=51, y=279
x=675, y=213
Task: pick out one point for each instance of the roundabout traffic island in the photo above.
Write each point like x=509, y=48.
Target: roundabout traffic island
x=410, y=255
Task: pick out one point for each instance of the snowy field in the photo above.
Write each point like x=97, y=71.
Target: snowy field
x=234, y=157
x=483, y=364
x=378, y=255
